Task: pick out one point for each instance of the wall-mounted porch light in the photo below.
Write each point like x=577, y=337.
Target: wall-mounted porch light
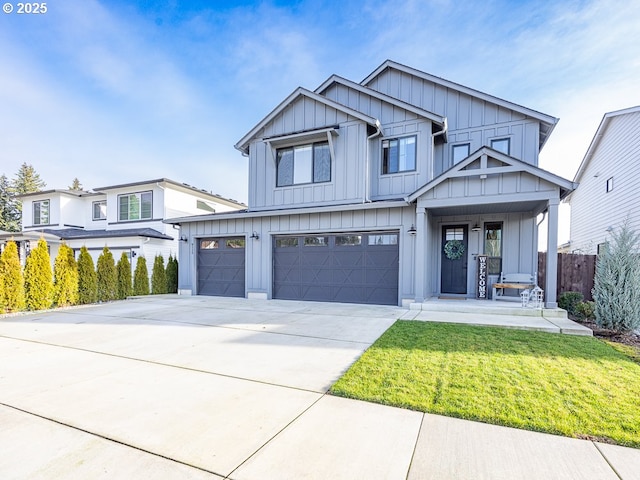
x=183, y=238
x=476, y=228
x=412, y=231
x=255, y=235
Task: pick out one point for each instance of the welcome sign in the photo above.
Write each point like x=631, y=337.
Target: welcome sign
x=482, y=277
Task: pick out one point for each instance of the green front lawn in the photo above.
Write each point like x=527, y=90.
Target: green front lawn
x=562, y=384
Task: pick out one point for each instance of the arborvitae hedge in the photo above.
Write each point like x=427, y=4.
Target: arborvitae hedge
x=141, y=278
x=172, y=275
x=124, y=277
x=65, y=274
x=12, y=291
x=107, y=276
x=38, y=278
x=87, y=279
x=158, y=276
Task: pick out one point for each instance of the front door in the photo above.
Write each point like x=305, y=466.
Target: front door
x=454, y=259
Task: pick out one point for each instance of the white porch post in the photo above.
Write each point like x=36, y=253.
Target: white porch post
x=420, y=254
x=551, y=283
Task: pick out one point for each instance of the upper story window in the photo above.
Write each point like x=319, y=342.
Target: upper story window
x=609, y=184
x=460, y=152
x=100, y=210
x=41, y=212
x=309, y=163
x=501, y=144
x=398, y=155
x=135, y=206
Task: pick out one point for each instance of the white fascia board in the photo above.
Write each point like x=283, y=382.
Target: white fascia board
x=380, y=96
x=243, y=143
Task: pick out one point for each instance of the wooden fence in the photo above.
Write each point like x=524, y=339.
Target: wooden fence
x=575, y=273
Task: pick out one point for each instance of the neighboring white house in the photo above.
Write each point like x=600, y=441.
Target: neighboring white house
x=126, y=218
x=385, y=191
x=609, y=178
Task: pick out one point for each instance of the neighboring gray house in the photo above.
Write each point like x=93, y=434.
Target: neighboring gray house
x=609, y=177
x=383, y=191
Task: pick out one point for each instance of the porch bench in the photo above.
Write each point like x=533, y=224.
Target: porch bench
x=515, y=281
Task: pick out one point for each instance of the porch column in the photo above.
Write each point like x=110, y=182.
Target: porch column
x=552, y=254
x=420, y=254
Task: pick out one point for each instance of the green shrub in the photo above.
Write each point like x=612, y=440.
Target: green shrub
x=141, y=278
x=38, y=278
x=124, y=277
x=107, y=276
x=12, y=291
x=65, y=277
x=158, y=276
x=586, y=310
x=172, y=274
x=87, y=279
x=617, y=282
x=569, y=301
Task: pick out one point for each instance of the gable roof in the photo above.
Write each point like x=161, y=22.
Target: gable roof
x=547, y=122
x=243, y=143
x=604, y=123
x=380, y=96
x=512, y=165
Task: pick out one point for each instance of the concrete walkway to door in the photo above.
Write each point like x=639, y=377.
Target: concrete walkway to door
x=203, y=387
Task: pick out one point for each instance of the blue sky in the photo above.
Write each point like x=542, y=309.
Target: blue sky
x=119, y=91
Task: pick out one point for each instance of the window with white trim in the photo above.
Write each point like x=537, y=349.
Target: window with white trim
x=41, y=212
x=460, y=152
x=398, y=155
x=310, y=163
x=135, y=206
x=502, y=145
x=99, y=210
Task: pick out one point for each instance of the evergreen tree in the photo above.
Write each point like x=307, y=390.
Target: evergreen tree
x=76, y=185
x=158, y=276
x=38, y=278
x=617, y=282
x=141, y=278
x=172, y=274
x=25, y=181
x=87, y=280
x=65, y=277
x=9, y=213
x=124, y=277
x=12, y=291
x=107, y=276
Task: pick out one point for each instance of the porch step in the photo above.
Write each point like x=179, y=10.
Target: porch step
x=487, y=307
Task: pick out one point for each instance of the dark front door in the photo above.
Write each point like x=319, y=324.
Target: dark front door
x=454, y=259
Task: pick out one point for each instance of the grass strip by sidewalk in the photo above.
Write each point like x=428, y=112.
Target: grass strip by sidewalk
x=561, y=384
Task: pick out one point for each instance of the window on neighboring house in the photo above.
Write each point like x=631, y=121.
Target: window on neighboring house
x=100, y=210
x=309, y=163
x=135, y=206
x=493, y=247
x=501, y=145
x=610, y=184
x=460, y=152
x=41, y=212
x=398, y=155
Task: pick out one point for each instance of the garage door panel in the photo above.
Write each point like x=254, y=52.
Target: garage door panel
x=221, y=267
x=340, y=268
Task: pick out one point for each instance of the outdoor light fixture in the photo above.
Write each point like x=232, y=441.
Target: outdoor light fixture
x=475, y=228
x=255, y=235
x=412, y=231
x=183, y=238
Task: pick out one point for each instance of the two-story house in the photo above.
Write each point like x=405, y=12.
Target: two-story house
x=383, y=191
x=126, y=217
x=609, y=177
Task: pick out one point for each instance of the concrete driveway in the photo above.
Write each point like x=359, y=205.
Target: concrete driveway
x=202, y=387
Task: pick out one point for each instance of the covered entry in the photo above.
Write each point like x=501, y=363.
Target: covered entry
x=346, y=267
x=221, y=266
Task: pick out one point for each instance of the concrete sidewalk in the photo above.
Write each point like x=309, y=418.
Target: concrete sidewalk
x=196, y=387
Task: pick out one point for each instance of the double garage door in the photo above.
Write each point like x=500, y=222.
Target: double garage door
x=347, y=267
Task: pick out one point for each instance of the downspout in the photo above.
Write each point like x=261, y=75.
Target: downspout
x=367, y=174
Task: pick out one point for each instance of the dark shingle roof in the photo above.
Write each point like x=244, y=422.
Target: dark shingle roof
x=75, y=233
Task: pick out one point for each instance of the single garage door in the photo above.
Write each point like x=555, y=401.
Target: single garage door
x=349, y=267
x=221, y=266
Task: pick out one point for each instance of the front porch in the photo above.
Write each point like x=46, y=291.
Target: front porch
x=494, y=314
